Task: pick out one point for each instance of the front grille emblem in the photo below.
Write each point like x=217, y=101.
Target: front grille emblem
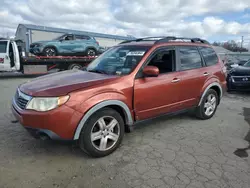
x=245, y=79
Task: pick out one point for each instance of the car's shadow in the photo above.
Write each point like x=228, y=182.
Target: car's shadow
x=37, y=147
x=53, y=147
x=241, y=93
x=164, y=118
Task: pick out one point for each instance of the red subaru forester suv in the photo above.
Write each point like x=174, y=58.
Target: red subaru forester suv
x=133, y=81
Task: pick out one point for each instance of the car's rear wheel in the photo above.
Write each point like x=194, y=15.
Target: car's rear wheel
x=208, y=106
x=49, y=51
x=91, y=52
x=102, y=133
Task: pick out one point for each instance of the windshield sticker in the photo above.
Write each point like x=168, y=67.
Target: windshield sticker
x=136, y=53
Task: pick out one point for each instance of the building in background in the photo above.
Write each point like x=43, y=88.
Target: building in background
x=32, y=33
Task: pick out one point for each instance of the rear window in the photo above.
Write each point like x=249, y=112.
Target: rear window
x=3, y=46
x=209, y=56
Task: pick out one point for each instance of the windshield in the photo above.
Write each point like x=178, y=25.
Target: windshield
x=60, y=37
x=247, y=64
x=3, y=46
x=120, y=60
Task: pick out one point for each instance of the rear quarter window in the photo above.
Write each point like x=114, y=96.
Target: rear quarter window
x=3, y=46
x=209, y=56
x=82, y=37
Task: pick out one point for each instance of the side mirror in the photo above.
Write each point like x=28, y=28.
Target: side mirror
x=151, y=71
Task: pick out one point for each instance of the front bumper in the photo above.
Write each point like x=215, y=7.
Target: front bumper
x=57, y=124
x=36, y=50
x=241, y=85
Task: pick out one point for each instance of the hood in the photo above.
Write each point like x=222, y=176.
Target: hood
x=62, y=83
x=241, y=71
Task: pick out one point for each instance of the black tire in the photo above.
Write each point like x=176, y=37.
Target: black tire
x=49, y=51
x=75, y=66
x=85, y=142
x=229, y=86
x=201, y=112
x=91, y=52
x=229, y=89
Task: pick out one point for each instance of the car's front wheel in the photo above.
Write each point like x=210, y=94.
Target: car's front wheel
x=49, y=51
x=102, y=133
x=208, y=105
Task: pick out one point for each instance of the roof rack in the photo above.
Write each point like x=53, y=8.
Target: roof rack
x=143, y=39
x=164, y=39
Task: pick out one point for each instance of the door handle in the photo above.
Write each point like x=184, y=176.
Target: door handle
x=175, y=80
x=206, y=74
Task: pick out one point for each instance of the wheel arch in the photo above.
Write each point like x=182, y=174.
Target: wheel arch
x=215, y=86
x=91, y=47
x=117, y=105
x=50, y=46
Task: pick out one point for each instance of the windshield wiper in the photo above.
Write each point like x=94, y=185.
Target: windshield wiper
x=98, y=71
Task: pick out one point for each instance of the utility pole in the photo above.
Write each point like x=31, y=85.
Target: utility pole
x=242, y=39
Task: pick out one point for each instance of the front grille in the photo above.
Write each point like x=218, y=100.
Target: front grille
x=241, y=79
x=34, y=45
x=21, y=99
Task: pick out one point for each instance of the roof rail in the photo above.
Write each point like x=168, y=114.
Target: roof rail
x=143, y=39
x=194, y=40
x=164, y=39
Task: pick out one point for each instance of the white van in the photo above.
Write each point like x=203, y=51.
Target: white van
x=9, y=56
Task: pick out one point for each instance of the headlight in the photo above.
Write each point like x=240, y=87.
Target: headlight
x=231, y=71
x=43, y=104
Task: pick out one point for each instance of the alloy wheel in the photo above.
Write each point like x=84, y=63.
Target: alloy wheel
x=50, y=52
x=105, y=133
x=210, y=104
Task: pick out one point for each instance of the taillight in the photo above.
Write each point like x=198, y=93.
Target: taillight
x=97, y=42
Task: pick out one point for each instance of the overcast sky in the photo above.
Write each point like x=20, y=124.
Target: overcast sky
x=211, y=19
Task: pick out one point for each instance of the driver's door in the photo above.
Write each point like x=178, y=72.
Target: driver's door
x=16, y=57
x=4, y=56
x=67, y=45
x=154, y=96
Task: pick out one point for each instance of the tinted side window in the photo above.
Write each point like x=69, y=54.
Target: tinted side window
x=189, y=58
x=69, y=37
x=3, y=46
x=164, y=61
x=209, y=55
x=82, y=37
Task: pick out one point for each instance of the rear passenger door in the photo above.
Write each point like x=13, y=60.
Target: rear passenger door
x=81, y=42
x=193, y=75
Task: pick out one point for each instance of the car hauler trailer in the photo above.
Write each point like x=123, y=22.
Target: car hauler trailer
x=13, y=59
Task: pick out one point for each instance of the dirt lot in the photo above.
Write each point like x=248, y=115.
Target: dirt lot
x=169, y=152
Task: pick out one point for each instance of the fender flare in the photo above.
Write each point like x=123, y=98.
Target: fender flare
x=129, y=119
x=208, y=87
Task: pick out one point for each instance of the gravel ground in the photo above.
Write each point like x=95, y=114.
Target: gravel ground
x=177, y=152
